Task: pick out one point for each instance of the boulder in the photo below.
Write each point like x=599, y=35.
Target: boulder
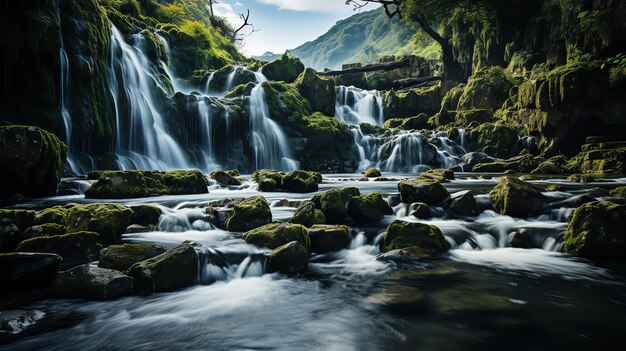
x=89, y=282
x=334, y=203
x=289, y=258
x=464, y=204
x=122, y=257
x=301, y=182
x=430, y=192
x=286, y=68
x=137, y=228
x=520, y=239
x=547, y=167
x=12, y=224
x=368, y=208
x=268, y=181
x=48, y=229
x=516, y=198
x=185, y=182
x=220, y=210
x=420, y=210
x=440, y=175
x=145, y=215
x=224, y=178
x=425, y=237
x=32, y=162
x=22, y=271
x=471, y=159
x=618, y=195
x=329, y=238
x=597, y=229
x=403, y=104
x=277, y=234
x=108, y=220
x=305, y=214
x=372, y=172
x=248, y=214
x=494, y=139
x=124, y=185
x=75, y=248
x=174, y=269
x=320, y=218
x=486, y=89
x=319, y=91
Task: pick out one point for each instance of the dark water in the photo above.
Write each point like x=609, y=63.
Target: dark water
x=478, y=296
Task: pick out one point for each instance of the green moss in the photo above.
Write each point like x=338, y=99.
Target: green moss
x=368, y=208
x=249, y=214
x=426, y=190
x=320, y=92
x=619, y=194
x=75, y=248
x=176, y=268
x=145, y=215
x=47, y=229
x=441, y=175
x=369, y=129
x=403, y=104
x=122, y=257
x=596, y=229
x=305, y=214
x=609, y=161
x=516, y=198
x=108, y=220
x=329, y=238
x=372, y=172
x=289, y=258
x=186, y=182
x=124, y=184
x=487, y=89
x=494, y=139
x=286, y=68
x=463, y=118
x=277, y=234
x=450, y=101
x=334, y=203
x=327, y=140
x=402, y=234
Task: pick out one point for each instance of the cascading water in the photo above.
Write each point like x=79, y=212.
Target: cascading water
x=271, y=149
x=355, y=105
x=73, y=167
x=143, y=140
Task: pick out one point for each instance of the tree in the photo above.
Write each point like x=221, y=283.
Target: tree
x=429, y=16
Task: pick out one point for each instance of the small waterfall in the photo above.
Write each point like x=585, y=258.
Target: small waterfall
x=143, y=140
x=271, y=149
x=65, y=113
x=355, y=105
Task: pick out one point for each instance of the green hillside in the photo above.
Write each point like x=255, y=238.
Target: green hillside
x=364, y=37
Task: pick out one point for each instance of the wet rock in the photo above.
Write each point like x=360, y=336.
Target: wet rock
x=329, y=238
x=35, y=164
x=137, y=184
x=219, y=211
x=75, y=248
x=493, y=139
x=440, y=175
x=409, y=254
x=599, y=159
x=185, y=182
x=305, y=214
x=12, y=224
x=108, y=220
x=174, y=269
x=122, y=257
x=516, y=198
x=14, y=322
x=268, y=181
x=319, y=91
x=547, y=167
x=89, y=282
x=145, y=215
x=431, y=192
x=471, y=159
x=402, y=298
x=249, y=214
x=421, y=210
x=368, y=208
x=597, y=229
x=286, y=68
x=464, y=204
x=48, y=229
x=372, y=172
x=618, y=195
x=520, y=239
x=136, y=228
x=470, y=301
x=301, y=181
x=334, y=203
x=289, y=258
x=320, y=218
x=277, y=234
x=402, y=235
x=486, y=89
x=225, y=178
x=22, y=271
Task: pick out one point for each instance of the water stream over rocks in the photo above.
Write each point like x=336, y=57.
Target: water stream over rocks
x=480, y=295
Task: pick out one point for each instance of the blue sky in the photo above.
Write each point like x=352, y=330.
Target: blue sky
x=284, y=24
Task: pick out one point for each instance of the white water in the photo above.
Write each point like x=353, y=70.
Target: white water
x=355, y=105
x=143, y=140
x=65, y=113
x=271, y=148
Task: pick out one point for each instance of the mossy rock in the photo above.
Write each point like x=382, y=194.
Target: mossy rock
x=486, y=89
x=289, y=258
x=420, y=210
x=419, y=122
x=440, y=175
x=26, y=271
x=393, y=123
x=402, y=235
x=618, y=195
x=301, y=181
x=75, y=248
x=463, y=118
x=89, y=282
x=268, y=181
x=13, y=223
x=450, y=101
x=108, y=220
x=329, y=238
x=372, y=172
x=174, y=269
x=125, y=185
x=429, y=191
x=320, y=92
x=334, y=203
x=368, y=208
x=319, y=218
x=33, y=161
x=286, y=68
x=596, y=229
x=47, y=229
x=606, y=161
x=413, y=101
x=56, y=214
x=185, y=182
x=225, y=179
x=494, y=139
x=464, y=204
x=249, y=214
x=371, y=129
x=329, y=144
x=305, y=214
x=241, y=77
x=122, y=257
x=516, y=198
x=145, y=215
x=274, y=235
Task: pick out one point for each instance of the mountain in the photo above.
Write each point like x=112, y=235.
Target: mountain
x=364, y=37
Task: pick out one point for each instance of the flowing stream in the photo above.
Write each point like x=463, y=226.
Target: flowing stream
x=480, y=295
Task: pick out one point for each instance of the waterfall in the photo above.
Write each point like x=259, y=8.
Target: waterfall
x=73, y=167
x=143, y=140
x=271, y=149
x=355, y=105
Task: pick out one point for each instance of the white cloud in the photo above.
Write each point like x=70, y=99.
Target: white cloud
x=310, y=5
x=226, y=10
x=238, y=3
